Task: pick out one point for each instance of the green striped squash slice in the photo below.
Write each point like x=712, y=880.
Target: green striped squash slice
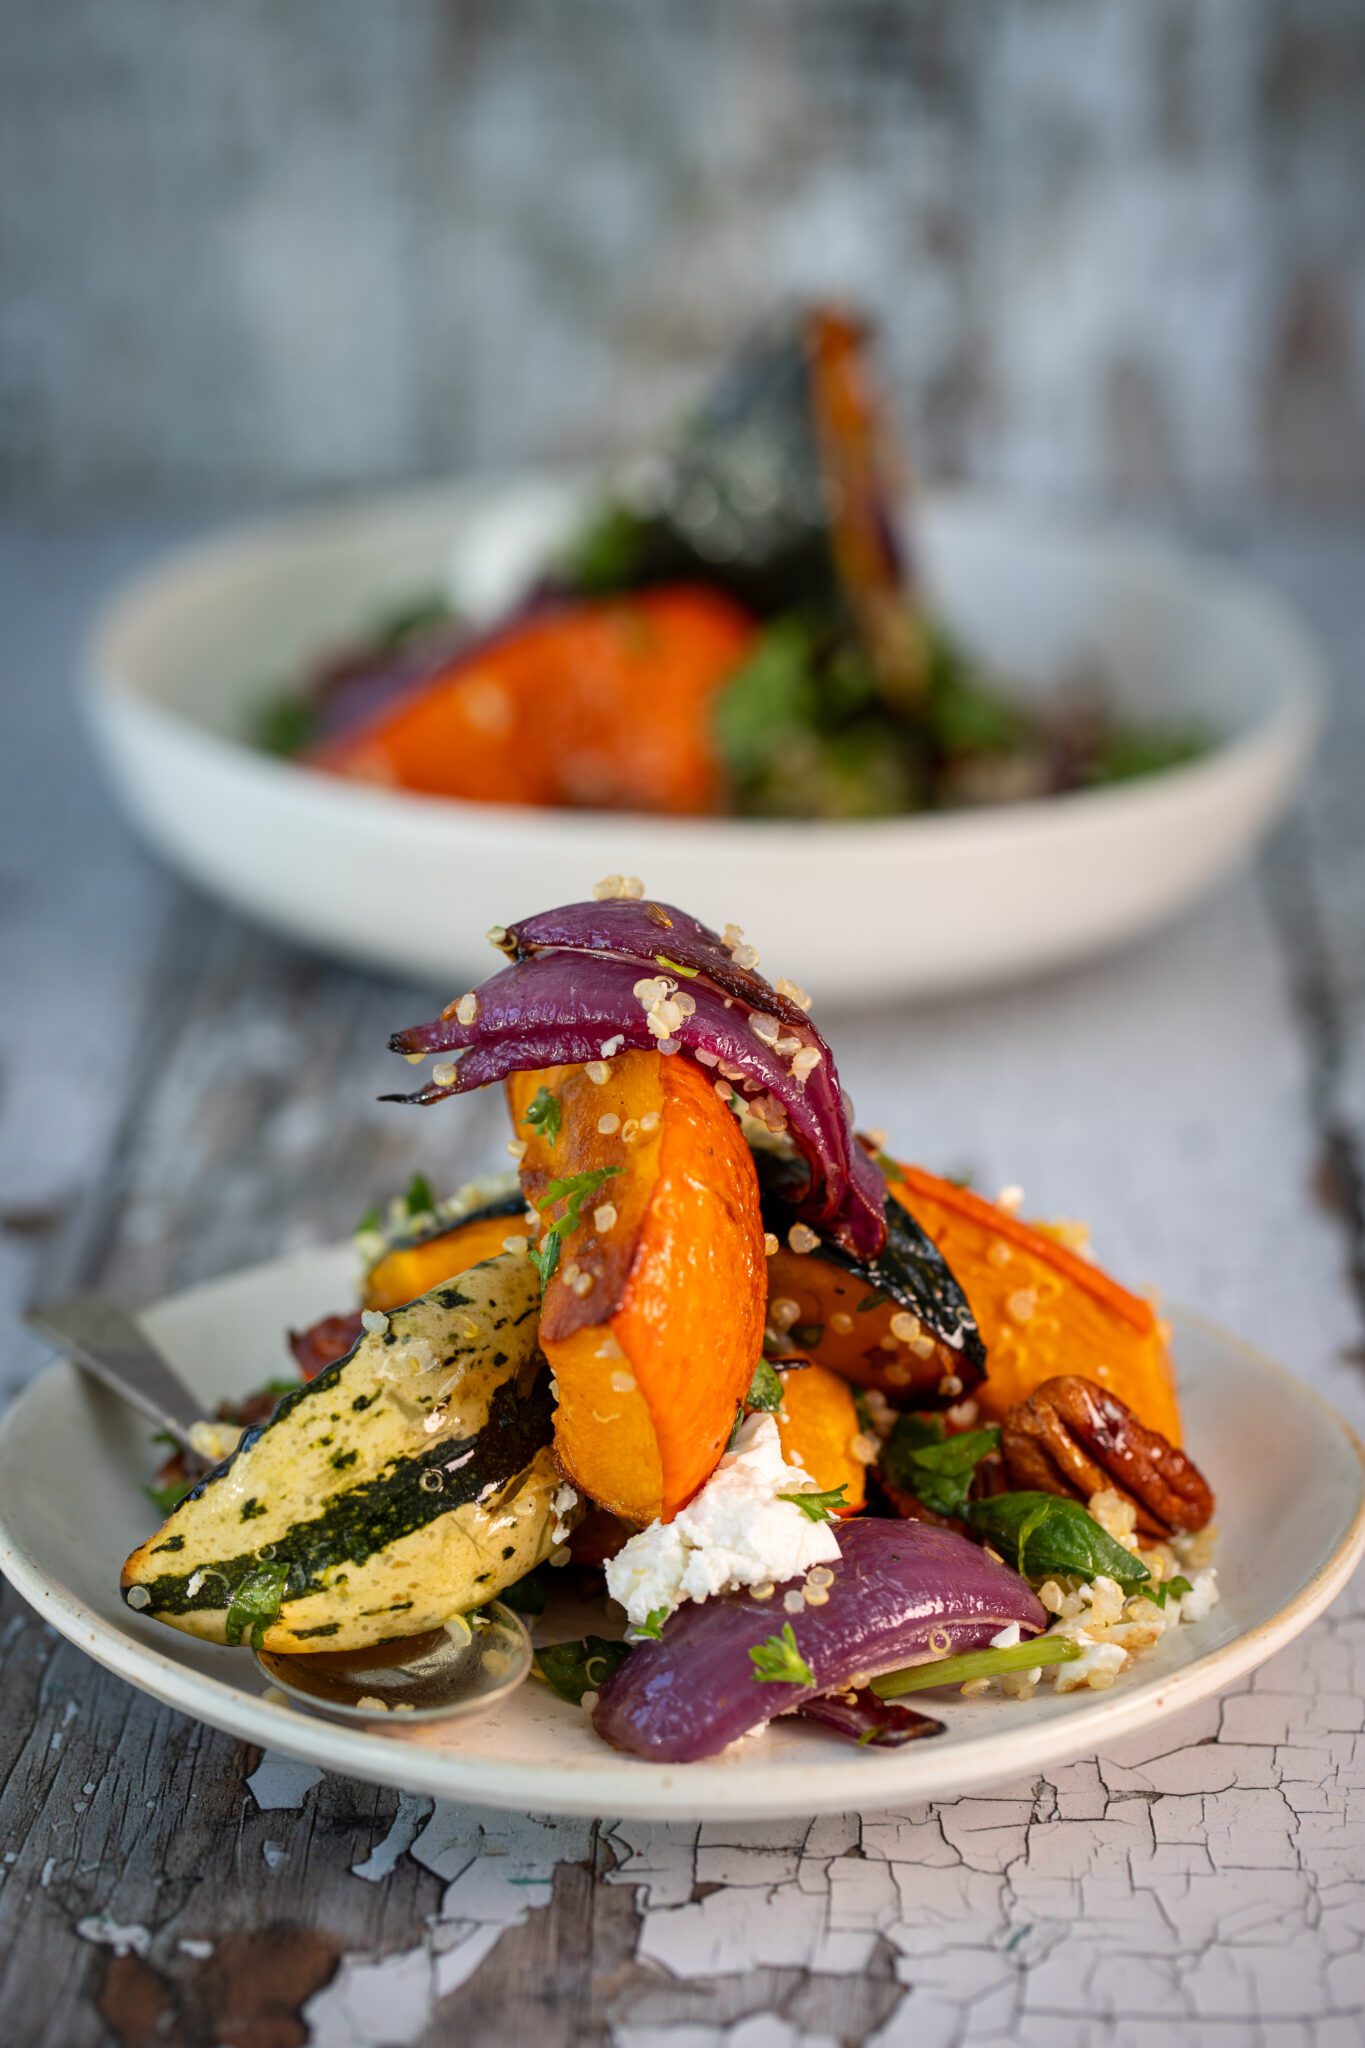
x=410, y=1481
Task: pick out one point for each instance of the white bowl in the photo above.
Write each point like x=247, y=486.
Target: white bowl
x=853, y=911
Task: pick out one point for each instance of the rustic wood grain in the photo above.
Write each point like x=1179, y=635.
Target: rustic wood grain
x=182, y=1095
x=1114, y=248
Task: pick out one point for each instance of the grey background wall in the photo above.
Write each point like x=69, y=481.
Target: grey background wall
x=264, y=246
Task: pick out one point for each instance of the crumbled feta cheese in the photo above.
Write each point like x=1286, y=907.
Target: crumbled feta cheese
x=1202, y=1596
x=1098, y=1665
x=1007, y=1637
x=736, y=1532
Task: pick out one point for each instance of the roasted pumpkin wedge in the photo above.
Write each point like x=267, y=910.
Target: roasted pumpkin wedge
x=819, y=1427
x=414, y=1264
x=411, y=1480
x=652, y=1244
x=547, y=710
x=410, y=1263
x=1043, y=1310
x=900, y=1322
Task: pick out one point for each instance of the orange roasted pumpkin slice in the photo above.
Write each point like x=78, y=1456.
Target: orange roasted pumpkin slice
x=819, y=1427
x=414, y=1268
x=653, y=1314
x=1042, y=1309
x=604, y=702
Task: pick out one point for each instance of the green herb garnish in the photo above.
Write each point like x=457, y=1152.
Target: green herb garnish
x=1159, y=1593
x=571, y=1669
x=284, y=724
x=545, y=1114
x=255, y=1603
x=937, y=1469
x=368, y=1224
x=1047, y=1535
x=976, y=1664
x=779, y=1661
x=574, y=1189
x=653, y=1624
x=765, y=1389
x=419, y=1199
x=676, y=967
x=818, y=1507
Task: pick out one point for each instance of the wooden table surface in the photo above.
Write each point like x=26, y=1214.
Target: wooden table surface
x=182, y=1095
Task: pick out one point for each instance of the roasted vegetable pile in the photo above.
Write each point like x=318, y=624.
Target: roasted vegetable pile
x=826, y=1428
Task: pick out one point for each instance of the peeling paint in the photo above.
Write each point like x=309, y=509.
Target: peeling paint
x=413, y=1809
x=281, y=1781
x=107, y=1933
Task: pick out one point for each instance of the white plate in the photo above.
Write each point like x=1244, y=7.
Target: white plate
x=855, y=912
x=1291, y=1517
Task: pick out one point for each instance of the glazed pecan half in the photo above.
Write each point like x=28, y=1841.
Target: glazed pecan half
x=1072, y=1436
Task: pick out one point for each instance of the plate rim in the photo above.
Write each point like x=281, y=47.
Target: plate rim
x=634, y=1788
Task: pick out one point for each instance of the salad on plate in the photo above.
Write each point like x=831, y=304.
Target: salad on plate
x=783, y=1425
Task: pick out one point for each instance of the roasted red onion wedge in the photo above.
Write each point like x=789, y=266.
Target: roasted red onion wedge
x=900, y=1593
x=868, y=1721
x=572, y=991
x=324, y=1342
x=658, y=936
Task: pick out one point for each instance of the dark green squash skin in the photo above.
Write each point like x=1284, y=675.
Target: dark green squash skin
x=371, y=1516
x=431, y=1498
x=909, y=1270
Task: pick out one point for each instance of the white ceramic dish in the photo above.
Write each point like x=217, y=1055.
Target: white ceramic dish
x=855, y=912
x=1291, y=1517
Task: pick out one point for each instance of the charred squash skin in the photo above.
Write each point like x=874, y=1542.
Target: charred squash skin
x=1042, y=1310
x=845, y=1326
x=901, y=1323
x=548, y=712
x=653, y=1320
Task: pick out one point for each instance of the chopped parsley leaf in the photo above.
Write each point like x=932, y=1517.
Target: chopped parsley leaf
x=255, y=1603
x=545, y=1114
x=818, y=1507
x=779, y=1661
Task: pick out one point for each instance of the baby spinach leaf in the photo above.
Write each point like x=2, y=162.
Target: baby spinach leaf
x=1043, y=1534
x=528, y=1595
x=937, y=1469
x=571, y=1669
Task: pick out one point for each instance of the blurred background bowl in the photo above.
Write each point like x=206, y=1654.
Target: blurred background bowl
x=857, y=911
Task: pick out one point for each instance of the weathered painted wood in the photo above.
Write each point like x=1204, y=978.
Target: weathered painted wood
x=181, y=1095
